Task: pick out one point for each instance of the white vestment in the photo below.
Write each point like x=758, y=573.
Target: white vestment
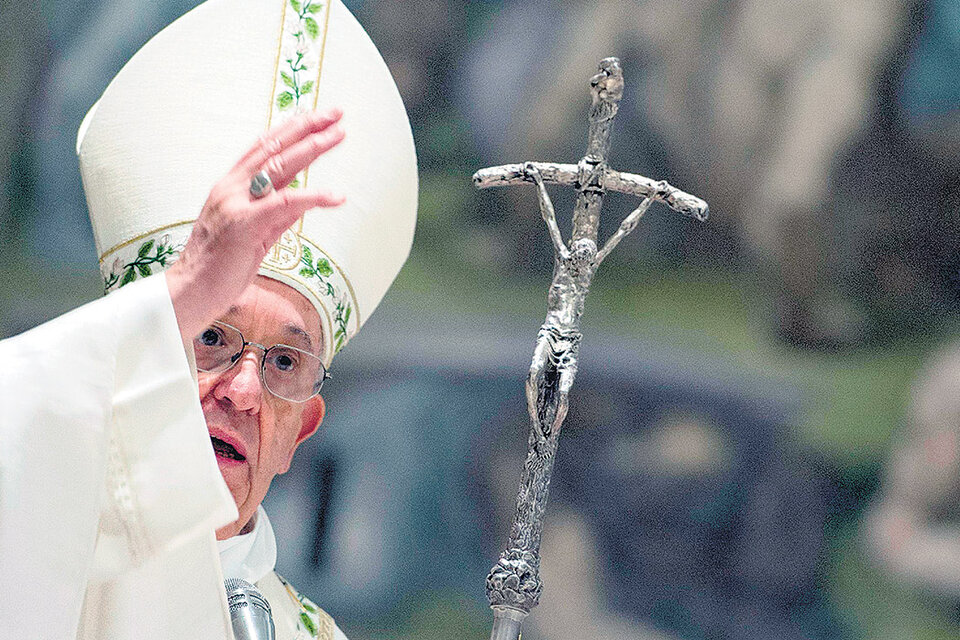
x=252, y=557
x=110, y=492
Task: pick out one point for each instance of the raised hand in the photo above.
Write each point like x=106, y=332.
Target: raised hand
x=235, y=229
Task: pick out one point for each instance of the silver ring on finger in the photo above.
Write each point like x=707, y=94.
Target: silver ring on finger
x=260, y=184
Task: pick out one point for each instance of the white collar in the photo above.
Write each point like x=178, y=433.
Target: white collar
x=250, y=556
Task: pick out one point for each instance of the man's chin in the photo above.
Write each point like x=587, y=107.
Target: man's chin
x=235, y=527
x=243, y=524
x=236, y=476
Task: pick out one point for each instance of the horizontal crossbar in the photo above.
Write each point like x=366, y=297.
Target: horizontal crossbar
x=568, y=174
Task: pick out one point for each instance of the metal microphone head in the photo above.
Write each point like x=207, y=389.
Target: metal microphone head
x=249, y=611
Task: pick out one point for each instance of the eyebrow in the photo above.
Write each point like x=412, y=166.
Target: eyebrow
x=294, y=330
x=290, y=329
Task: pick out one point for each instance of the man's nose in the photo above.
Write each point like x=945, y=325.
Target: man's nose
x=241, y=384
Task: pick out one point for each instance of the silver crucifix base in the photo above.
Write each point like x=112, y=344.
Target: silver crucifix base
x=514, y=585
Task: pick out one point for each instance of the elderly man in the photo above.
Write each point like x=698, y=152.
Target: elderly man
x=118, y=519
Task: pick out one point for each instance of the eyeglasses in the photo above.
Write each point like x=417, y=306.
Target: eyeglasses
x=287, y=372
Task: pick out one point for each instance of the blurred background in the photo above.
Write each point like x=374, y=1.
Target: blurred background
x=764, y=439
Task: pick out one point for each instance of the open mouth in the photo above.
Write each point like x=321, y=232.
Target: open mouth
x=225, y=449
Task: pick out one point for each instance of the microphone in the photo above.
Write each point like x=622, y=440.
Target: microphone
x=249, y=611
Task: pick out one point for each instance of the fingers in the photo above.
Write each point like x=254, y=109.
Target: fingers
x=283, y=167
x=282, y=208
x=282, y=136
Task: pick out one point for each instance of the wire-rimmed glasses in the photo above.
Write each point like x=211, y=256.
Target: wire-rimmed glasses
x=287, y=372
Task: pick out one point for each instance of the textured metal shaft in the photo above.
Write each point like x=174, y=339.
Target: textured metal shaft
x=607, y=89
x=515, y=580
x=506, y=623
x=513, y=584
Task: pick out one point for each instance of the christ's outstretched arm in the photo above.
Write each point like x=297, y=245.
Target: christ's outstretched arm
x=546, y=210
x=629, y=224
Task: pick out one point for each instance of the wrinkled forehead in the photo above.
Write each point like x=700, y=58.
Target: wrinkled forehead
x=273, y=308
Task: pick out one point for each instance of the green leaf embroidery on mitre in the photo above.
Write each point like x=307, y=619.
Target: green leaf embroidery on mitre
x=323, y=267
x=321, y=270
x=311, y=27
x=285, y=99
x=143, y=265
x=301, y=52
x=306, y=28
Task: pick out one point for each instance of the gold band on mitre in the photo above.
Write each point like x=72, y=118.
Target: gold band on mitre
x=273, y=60
x=294, y=260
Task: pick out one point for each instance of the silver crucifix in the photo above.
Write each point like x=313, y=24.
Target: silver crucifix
x=514, y=585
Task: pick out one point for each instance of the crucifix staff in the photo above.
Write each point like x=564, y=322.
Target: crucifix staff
x=513, y=584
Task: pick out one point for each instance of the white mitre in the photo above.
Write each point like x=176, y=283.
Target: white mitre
x=186, y=107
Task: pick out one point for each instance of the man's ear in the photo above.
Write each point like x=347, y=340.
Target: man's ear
x=313, y=412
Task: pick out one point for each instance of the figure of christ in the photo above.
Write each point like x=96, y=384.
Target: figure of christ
x=513, y=584
x=554, y=364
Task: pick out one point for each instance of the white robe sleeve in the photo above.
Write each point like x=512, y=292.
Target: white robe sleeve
x=107, y=477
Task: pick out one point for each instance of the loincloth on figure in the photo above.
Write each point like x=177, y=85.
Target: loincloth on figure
x=561, y=345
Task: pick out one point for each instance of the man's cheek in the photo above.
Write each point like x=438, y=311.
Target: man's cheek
x=276, y=440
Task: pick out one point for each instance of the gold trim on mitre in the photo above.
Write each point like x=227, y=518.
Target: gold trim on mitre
x=286, y=252
x=294, y=259
x=143, y=255
x=142, y=236
x=327, y=284
x=301, y=264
